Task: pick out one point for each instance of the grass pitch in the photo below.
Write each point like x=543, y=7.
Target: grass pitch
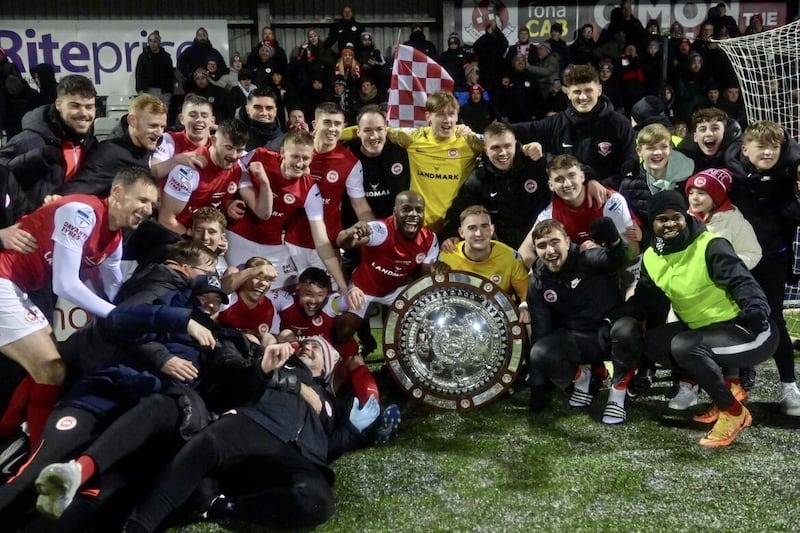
x=500, y=469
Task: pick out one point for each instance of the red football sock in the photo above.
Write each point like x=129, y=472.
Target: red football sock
x=43, y=398
x=364, y=384
x=88, y=467
x=626, y=379
x=14, y=415
x=734, y=409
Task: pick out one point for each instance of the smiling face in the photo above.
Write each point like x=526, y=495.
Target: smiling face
x=668, y=224
x=77, y=112
x=501, y=149
x=584, y=96
x=372, y=132
x=327, y=131
x=146, y=128
x=129, y=206
x=409, y=212
x=708, y=136
x=763, y=155
x=311, y=355
x=207, y=232
x=197, y=119
x=655, y=156
x=443, y=122
x=567, y=184
x=552, y=249
x=224, y=153
x=254, y=289
x=311, y=298
x=477, y=231
x=295, y=160
x=262, y=109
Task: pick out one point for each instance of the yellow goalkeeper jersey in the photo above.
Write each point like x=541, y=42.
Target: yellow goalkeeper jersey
x=504, y=267
x=438, y=168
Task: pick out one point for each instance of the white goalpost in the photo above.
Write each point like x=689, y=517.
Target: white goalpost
x=767, y=65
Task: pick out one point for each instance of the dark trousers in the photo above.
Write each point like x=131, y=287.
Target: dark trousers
x=292, y=491
x=771, y=274
x=557, y=355
x=701, y=353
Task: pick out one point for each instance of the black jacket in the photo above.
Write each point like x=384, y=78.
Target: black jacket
x=15, y=203
x=260, y=134
x=579, y=297
x=197, y=55
x=155, y=70
x=601, y=139
x=116, y=152
x=688, y=147
x=514, y=198
x=768, y=200
x=23, y=154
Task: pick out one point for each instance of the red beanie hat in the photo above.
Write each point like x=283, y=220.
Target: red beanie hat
x=714, y=181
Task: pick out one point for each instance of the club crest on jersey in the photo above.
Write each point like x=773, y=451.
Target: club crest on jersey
x=550, y=296
x=65, y=423
x=34, y=315
x=84, y=218
x=420, y=258
x=496, y=279
x=332, y=176
x=232, y=187
x=604, y=148
x=452, y=153
x=530, y=186
x=262, y=328
x=397, y=169
x=289, y=198
x=317, y=321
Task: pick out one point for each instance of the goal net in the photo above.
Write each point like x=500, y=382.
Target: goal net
x=767, y=65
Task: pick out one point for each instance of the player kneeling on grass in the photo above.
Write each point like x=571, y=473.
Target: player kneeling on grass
x=577, y=317
x=723, y=313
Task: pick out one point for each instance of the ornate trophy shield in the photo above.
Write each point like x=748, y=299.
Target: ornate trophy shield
x=453, y=341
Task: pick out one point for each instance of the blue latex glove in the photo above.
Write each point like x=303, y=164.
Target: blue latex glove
x=362, y=417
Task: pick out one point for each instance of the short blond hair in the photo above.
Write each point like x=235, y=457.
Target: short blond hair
x=765, y=131
x=147, y=103
x=653, y=134
x=440, y=101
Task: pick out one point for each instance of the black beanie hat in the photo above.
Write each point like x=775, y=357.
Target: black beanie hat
x=665, y=200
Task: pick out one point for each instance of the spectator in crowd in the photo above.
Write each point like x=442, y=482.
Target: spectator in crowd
x=367, y=94
x=589, y=129
x=612, y=88
x=719, y=17
x=132, y=143
x=342, y=96
x=691, y=85
x=278, y=53
x=756, y=25
x=582, y=49
x=155, y=73
x=347, y=67
x=522, y=46
x=179, y=147
x=239, y=93
x=477, y=113
x=45, y=79
x=231, y=79
x=733, y=104
x=687, y=264
x=679, y=62
x=702, y=41
x=296, y=119
x=197, y=55
x=558, y=47
x=372, y=62
x=653, y=67
x=519, y=98
x=713, y=132
x=264, y=64
x=490, y=49
x=217, y=96
x=632, y=75
x=260, y=114
x=453, y=60
x=345, y=30
x=545, y=68
x=55, y=142
x=764, y=169
x=579, y=323
x=418, y=40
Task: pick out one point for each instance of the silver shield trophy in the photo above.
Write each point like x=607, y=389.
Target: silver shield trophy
x=454, y=341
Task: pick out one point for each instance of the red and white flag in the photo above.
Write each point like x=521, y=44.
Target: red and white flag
x=415, y=76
